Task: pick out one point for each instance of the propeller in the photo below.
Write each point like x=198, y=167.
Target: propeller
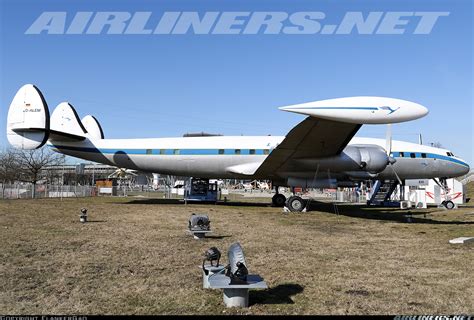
x=388, y=149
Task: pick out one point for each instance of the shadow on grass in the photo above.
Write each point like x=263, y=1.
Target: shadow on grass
x=180, y=201
x=216, y=237
x=380, y=213
x=349, y=210
x=280, y=294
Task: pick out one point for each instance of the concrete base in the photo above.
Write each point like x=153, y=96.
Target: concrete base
x=462, y=240
x=236, y=297
x=211, y=270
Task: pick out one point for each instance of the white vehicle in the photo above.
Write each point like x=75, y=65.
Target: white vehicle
x=320, y=151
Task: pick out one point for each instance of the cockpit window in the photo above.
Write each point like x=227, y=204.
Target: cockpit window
x=450, y=154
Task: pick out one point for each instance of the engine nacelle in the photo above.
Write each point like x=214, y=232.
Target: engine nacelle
x=355, y=158
x=370, y=158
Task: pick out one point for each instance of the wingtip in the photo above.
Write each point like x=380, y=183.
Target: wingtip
x=285, y=108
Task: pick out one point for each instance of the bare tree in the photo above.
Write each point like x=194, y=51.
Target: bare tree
x=32, y=162
x=9, y=166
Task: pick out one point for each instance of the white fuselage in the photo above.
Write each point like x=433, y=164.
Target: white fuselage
x=225, y=156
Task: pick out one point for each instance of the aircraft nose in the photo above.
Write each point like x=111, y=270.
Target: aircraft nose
x=463, y=170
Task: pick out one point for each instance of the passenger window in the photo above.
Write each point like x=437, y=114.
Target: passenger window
x=266, y=151
x=149, y=151
x=162, y=151
x=402, y=154
x=423, y=155
x=412, y=155
x=221, y=151
x=176, y=151
x=252, y=151
x=237, y=151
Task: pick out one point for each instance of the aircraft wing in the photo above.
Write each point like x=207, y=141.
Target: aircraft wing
x=311, y=138
x=331, y=125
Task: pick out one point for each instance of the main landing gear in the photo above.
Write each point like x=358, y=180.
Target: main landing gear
x=278, y=200
x=293, y=203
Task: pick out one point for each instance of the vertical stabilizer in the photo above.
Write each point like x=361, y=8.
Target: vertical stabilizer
x=28, y=119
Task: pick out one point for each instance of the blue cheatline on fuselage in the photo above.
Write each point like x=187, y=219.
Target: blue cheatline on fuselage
x=168, y=152
x=203, y=152
x=418, y=155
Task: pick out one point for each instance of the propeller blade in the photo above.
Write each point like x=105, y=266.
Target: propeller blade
x=388, y=145
x=396, y=175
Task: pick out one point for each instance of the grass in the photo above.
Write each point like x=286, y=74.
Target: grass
x=134, y=257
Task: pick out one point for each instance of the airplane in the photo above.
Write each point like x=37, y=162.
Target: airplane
x=319, y=152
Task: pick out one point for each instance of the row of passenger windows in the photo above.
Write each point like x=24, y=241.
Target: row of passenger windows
x=163, y=151
x=417, y=155
x=239, y=151
x=411, y=155
x=220, y=151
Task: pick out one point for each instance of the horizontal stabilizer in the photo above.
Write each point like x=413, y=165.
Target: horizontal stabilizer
x=28, y=119
x=93, y=127
x=66, y=125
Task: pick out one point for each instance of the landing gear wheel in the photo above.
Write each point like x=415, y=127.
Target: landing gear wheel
x=279, y=200
x=449, y=205
x=295, y=204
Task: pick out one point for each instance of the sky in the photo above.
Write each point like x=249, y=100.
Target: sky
x=143, y=86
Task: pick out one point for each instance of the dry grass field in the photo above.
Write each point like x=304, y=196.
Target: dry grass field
x=134, y=257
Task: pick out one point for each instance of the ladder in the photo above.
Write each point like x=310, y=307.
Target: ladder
x=381, y=192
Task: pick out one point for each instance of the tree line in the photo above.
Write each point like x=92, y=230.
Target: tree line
x=17, y=165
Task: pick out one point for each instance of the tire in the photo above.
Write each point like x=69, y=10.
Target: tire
x=449, y=205
x=279, y=200
x=295, y=204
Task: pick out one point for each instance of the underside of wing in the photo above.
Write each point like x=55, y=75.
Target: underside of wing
x=311, y=138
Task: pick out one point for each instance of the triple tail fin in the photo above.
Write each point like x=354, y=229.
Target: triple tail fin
x=29, y=124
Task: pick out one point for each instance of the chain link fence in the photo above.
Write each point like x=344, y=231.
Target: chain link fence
x=28, y=191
